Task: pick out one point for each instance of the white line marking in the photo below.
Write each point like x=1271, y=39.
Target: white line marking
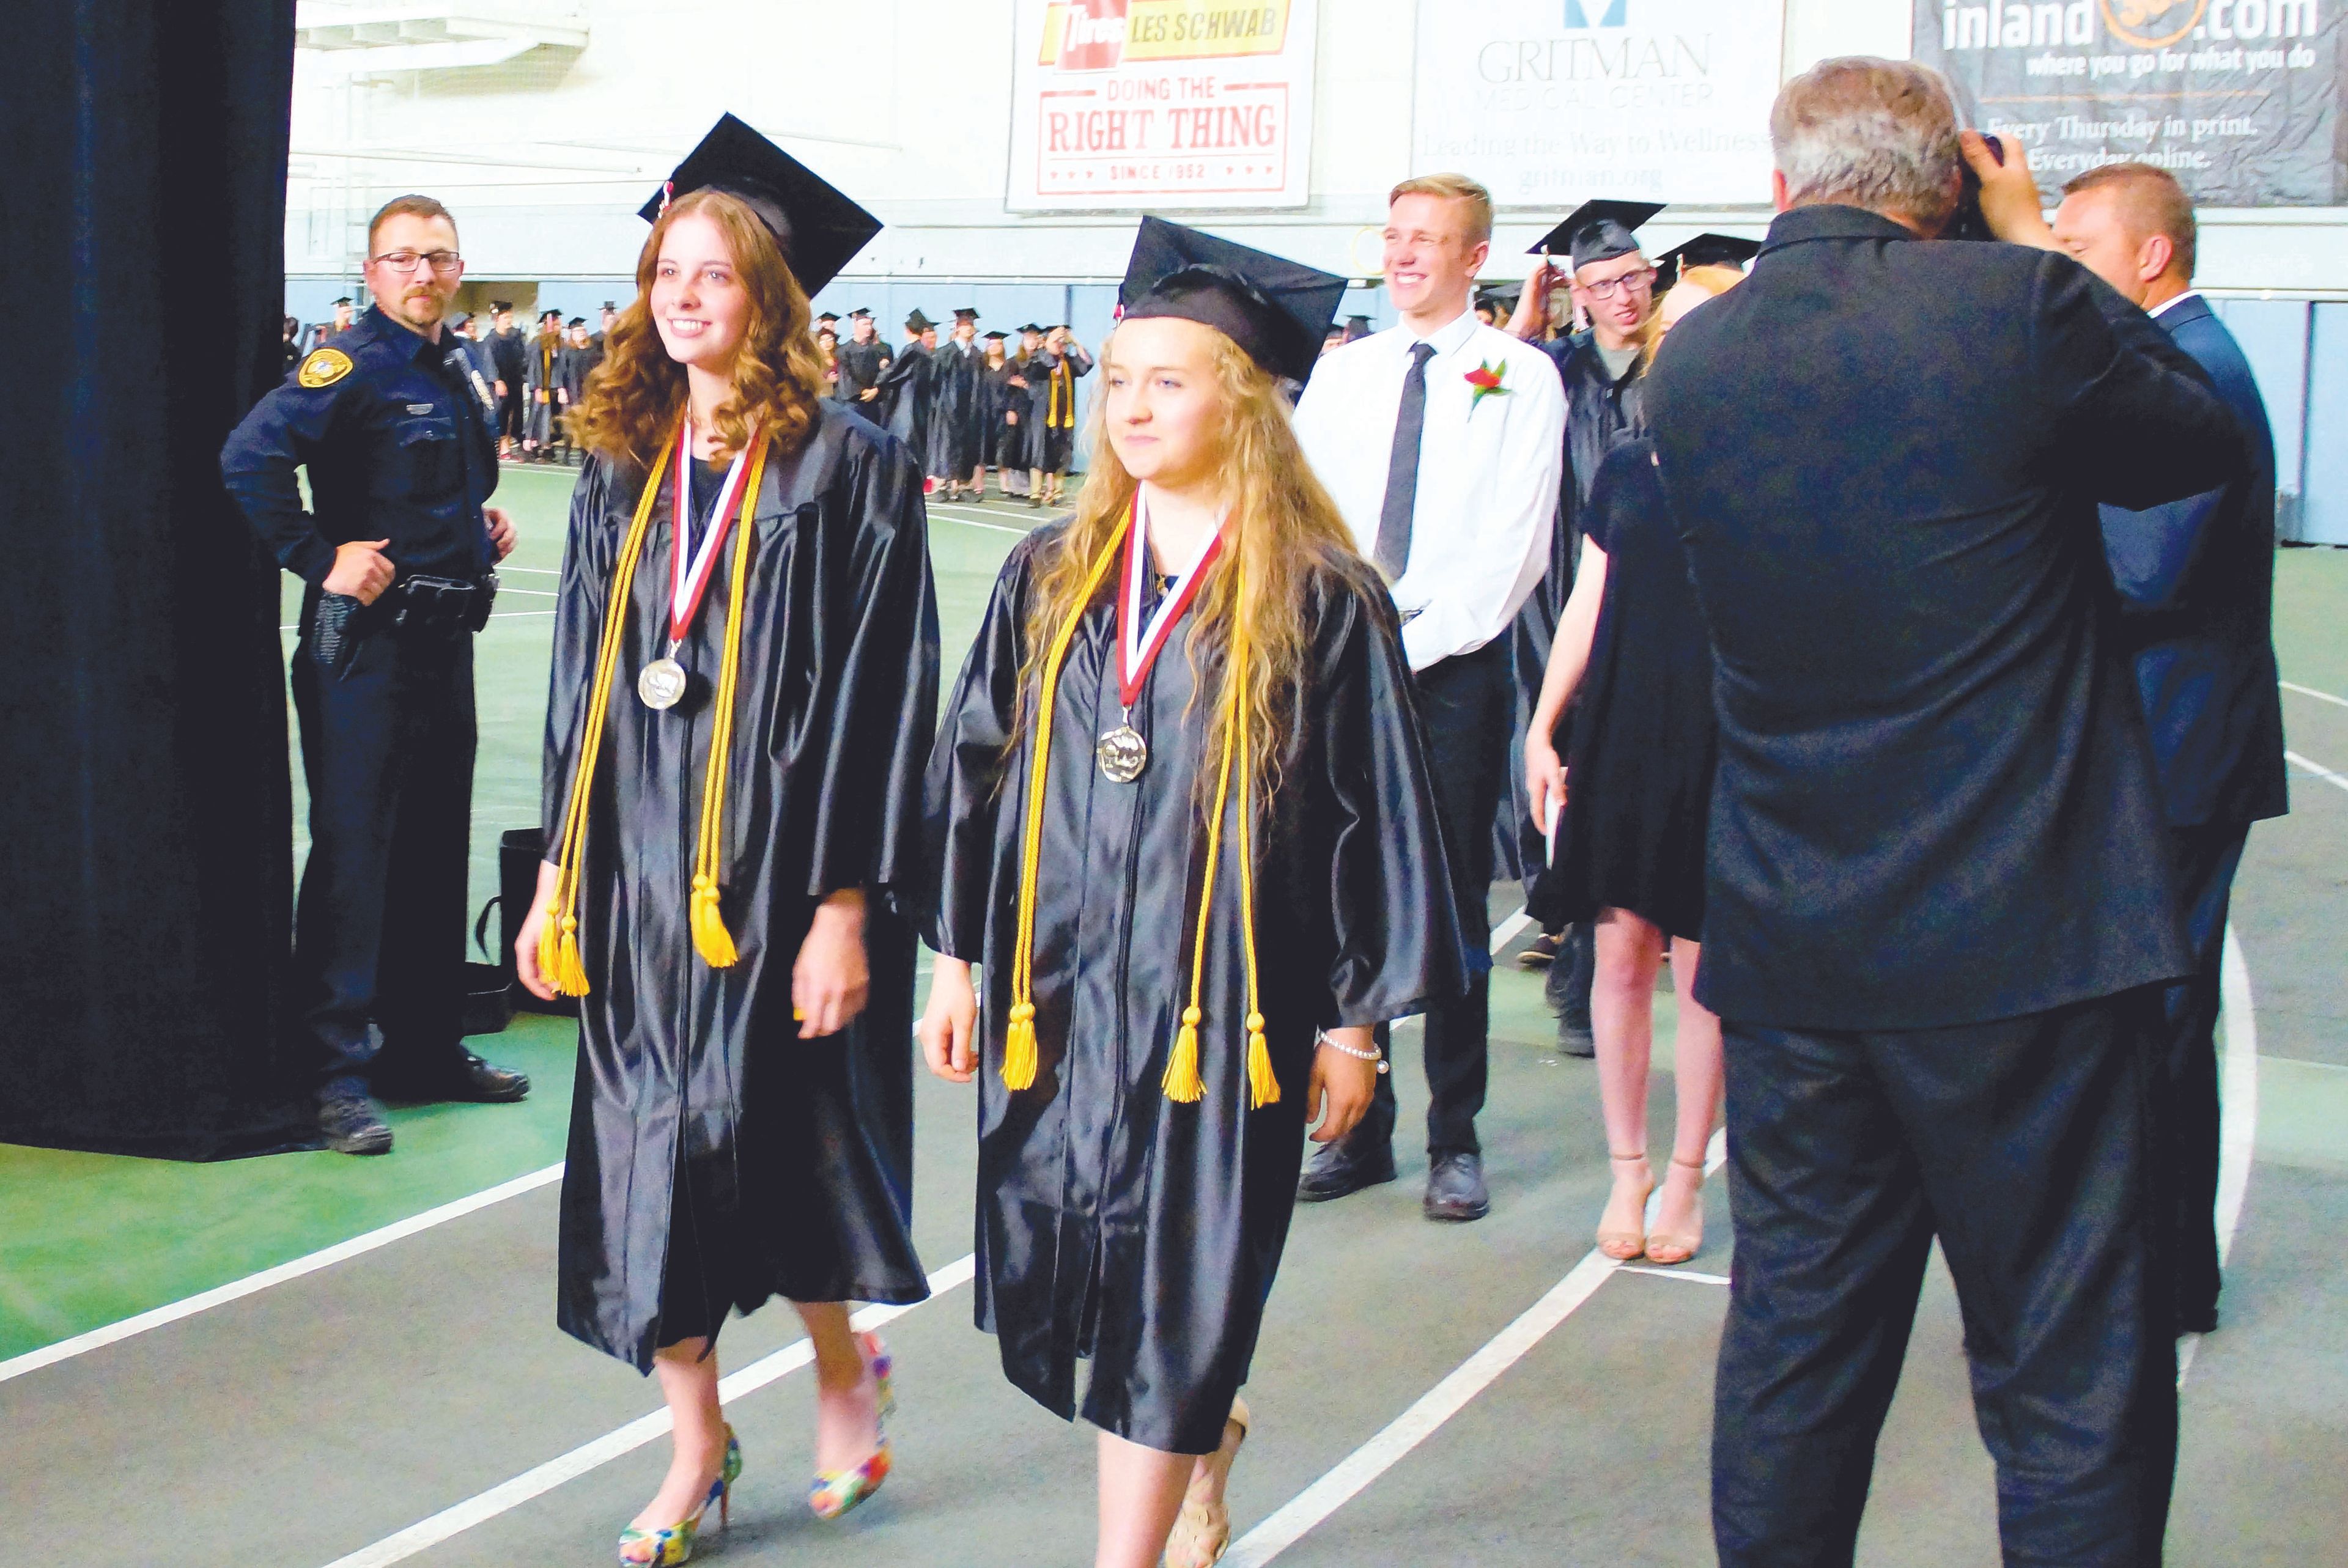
x=2238, y=1103
x=2318, y=769
x=533, y=570
x=940, y=512
x=113, y=1332
x=2312, y=691
x=532, y=592
x=482, y=1507
x=1505, y=931
x=1357, y=1469
x=1351, y=1475
x=1694, y=1276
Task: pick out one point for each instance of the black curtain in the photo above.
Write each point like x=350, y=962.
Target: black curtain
x=145, y=844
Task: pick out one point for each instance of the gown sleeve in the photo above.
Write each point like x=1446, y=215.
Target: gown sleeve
x=588, y=554
x=884, y=698
x=969, y=766
x=1395, y=929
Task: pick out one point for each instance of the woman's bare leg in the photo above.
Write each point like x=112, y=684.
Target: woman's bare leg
x=1140, y=1492
x=687, y=1371
x=1697, y=1076
x=847, y=1395
x=1622, y=1024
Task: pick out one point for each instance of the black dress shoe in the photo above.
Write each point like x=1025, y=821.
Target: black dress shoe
x=1541, y=952
x=351, y=1123
x=1455, y=1189
x=1346, y=1166
x=1575, y=1040
x=2197, y=1319
x=466, y=1078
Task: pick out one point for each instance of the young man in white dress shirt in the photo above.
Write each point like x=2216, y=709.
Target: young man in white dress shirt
x=1442, y=440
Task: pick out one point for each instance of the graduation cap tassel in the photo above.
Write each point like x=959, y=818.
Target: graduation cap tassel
x=558, y=949
x=710, y=938
x=1019, y=1052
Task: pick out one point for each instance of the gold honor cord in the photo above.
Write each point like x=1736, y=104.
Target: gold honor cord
x=1181, y=1082
x=559, y=951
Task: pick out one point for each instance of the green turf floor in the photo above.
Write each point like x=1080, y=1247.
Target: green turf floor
x=86, y=1240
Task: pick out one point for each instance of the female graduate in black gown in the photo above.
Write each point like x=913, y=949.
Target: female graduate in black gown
x=1173, y=879
x=1631, y=836
x=731, y=806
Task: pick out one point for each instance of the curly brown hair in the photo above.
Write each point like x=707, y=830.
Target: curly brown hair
x=633, y=397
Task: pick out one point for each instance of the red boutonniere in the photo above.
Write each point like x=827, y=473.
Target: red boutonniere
x=1487, y=381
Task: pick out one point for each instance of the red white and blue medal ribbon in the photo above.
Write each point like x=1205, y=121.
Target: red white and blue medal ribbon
x=1123, y=753
x=662, y=682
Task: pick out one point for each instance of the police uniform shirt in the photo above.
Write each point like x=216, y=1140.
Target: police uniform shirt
x=398, y=443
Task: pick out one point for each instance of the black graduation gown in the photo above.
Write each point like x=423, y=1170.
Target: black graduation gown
x=1115, y=1224
x=1004, y=441
x=1599, y=407
x=796, y=1158
x=907, y=391
x=956, y=376
x=860, y=364
x=1640, y=763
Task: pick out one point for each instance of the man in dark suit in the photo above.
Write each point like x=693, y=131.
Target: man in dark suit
x=2197, y=613
x=1939, y=911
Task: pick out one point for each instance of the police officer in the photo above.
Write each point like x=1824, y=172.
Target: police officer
x=395, y=425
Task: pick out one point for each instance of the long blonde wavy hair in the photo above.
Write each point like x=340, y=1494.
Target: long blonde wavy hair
x=1282, y=524
x=633, y=399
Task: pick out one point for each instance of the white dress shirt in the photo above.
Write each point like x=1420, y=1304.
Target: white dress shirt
x=1488, y=470
x=2171, y=303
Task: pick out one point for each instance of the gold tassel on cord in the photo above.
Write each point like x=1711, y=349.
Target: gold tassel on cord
x=558, y=947
x=1182, y=1084
x=1019, y=1052
x=710, y=938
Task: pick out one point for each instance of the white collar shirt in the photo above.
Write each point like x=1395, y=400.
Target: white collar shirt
x=2171, y=303
x=1488, y=470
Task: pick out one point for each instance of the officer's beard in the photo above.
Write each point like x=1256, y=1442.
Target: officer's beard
x=420, y=311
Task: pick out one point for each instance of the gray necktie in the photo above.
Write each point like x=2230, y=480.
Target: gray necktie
x=1393, y=552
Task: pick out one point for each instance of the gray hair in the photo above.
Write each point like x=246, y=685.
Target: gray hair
x=1868, y=132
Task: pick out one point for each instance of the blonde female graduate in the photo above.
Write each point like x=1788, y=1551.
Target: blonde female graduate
x=1181, y=806
x=744, y=690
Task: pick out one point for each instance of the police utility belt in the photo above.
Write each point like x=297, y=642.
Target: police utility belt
x=419, y=605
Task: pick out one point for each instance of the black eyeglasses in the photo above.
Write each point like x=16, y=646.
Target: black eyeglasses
x=442, y=261
x=1612, y=286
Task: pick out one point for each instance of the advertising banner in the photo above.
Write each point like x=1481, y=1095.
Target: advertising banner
x=1552, y=102
x=2239, y=98
x=1161, y=104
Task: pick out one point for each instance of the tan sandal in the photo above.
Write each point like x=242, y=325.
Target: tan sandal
x=1667, y=1248
x=1625, y=1246
x=1202, y=1533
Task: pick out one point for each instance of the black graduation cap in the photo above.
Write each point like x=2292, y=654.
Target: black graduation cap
x=1031, y=327
x=1704, y=250
x=996, y=337
x=1598, y=232
x=826, y=316
x=555, y=313
x=1502, y=297
x=578, y=320
x=1277, y=309
x=499, y=307
x=820, y=229
x=860, y=314
x=609, y=306
x=343, y=301
x=918, y=323
x=965, y=315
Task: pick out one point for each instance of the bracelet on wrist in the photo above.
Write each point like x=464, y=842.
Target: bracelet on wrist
x=1373, y=1054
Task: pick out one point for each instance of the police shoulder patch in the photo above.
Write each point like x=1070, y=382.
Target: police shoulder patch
x=324, y=368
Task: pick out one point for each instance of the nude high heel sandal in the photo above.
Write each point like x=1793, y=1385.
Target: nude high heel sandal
x=1202, y=1533
x=1668, y=1247
x=1626, y=1245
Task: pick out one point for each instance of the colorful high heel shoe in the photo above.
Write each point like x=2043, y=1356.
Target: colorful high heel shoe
x=672, y=1544
x=837, y=1492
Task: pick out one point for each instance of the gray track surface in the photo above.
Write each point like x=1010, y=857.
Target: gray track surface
x=312, y=1419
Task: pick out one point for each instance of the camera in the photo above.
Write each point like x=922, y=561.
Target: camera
x=1968, y=223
